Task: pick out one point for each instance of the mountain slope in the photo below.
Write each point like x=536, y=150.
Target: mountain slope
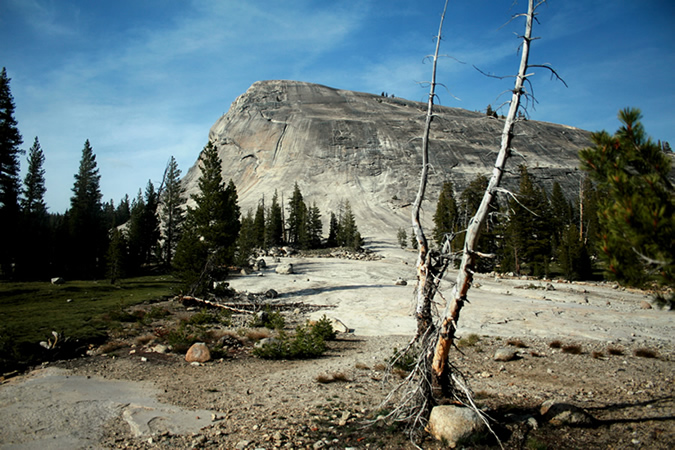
x=343, y=145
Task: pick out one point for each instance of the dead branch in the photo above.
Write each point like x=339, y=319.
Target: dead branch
x=448, y=327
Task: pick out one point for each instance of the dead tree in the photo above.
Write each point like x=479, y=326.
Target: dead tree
x=446, y=334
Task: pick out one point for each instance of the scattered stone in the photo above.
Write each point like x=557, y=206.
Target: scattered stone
x=344, y=418
x=505, y=354
x=199, y=352
x=160, y=348
x=241, y=445
x=339, y=326
x=245, y=271
x=451, y=423
x=261, y=264
x=319, y=444
x=550, y=287
x=401, y=282
x=564, y=414
x=285, y=269
x=271, y=293
x=58, y=280
x=645, y=305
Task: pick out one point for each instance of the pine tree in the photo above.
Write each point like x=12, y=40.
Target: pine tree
x=117, y=256
x=573, y=256
x=247, y=240
x=314, y=227
x=348, y=233
x=259, y=225
x=10, y=140
x=33, y=260
x=144, y=230
x=528, y=232
x=173, y=202
x=333, y=231
x=274, y=225
x=446, y=217
x=33, y=202
x=88, y=231
x=123, y=211
x=297, y=219
x=637, y=208
x=213, y=226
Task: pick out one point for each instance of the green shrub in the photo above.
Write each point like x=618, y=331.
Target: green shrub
x=324, y=329
x=268, y=319
x=304, y=344
x=404, y=361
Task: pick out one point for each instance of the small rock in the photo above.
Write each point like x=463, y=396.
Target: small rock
x=504, y=354
x=319, y=444
x=564, y=414
x=550, y=287
x=645, y=305
x=58, y=280
x=271, y=293
x=160, y=348
x=199, y=352
x=241, y=445
x=343, y=420
x=245, y=271
x=401, y=282
x=451, y=423
x=284, y=269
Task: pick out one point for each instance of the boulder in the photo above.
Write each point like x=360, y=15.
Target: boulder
x=401, y=282
x=261, y=264
x=284, y=269
x=199, y=352
x=564, y=414
x=452, y=424
x=505, y=354
x=645, y=305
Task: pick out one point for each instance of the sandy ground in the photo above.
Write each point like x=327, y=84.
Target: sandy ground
x=140, y=399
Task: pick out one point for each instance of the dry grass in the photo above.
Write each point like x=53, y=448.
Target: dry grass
x=468, y=341
x=380, y=367
x=144, y=339
x=573, y=349
x=644, y=352
x=256, y=334
x=335, y=377
x=400, y=372
x=615, y=351
x=111, y=346
x=516, y=343
x=555, y=344
x=597, y=355
x=362, y=366
x=535, y=354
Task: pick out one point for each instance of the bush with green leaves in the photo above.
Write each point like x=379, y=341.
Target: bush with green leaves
x=268, y=319
x=309, y=341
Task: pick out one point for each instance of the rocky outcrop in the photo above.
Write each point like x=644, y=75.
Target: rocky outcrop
x=365, y=148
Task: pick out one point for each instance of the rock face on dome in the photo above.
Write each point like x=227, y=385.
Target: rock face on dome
x=342, y=145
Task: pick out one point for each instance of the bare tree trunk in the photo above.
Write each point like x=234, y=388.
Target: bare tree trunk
x=464, y=277
x=425, y=275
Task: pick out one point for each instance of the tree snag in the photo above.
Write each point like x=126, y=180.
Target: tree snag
x=446, y=334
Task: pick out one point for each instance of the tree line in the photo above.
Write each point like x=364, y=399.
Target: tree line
x=156, y=230
x=620, y=223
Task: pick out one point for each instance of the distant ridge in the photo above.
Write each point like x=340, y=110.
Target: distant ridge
x=344, y=145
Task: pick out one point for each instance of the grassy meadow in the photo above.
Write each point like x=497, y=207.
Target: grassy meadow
x=80, y=311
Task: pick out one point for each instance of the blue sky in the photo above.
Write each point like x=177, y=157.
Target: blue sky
x=146, y=79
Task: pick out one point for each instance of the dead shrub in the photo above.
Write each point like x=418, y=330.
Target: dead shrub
x=362, y=366
x=332, y=378
x=597, y=355
x=256, y=334
x=380, y=367
x=615, y=351
x=111, y=346
x=555, y=344
x=644, y=352
x=516, y=343
x=144, y=339
x=572, y=349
